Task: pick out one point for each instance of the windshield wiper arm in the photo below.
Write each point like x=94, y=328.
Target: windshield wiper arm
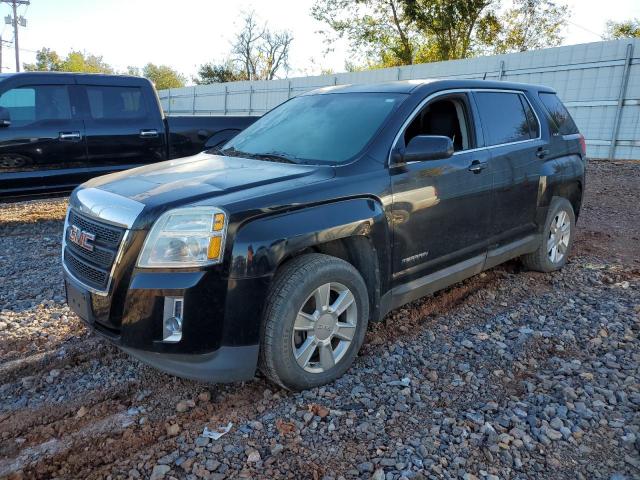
x=278, y=157
x=271, y=156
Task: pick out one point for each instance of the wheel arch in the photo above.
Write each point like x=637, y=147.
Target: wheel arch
x=354, y=230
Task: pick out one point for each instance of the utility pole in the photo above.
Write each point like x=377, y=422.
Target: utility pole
x=15, y=20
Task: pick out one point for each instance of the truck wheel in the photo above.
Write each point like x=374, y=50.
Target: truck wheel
x=314, y=322
x=557, y=238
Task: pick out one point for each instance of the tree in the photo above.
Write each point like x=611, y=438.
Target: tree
x=530, y=25
x=133, y=71
x=217, y=73
x=76, y=61
x=260, y=53
x=401, y=32
x=163, y=76
x=628, y=28
x=451, y=25
x=378, y=31
x=47, y=60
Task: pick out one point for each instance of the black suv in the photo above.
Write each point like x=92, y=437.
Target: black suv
x=276, y=250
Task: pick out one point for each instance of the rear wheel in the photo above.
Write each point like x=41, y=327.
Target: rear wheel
x=314, y=322
x=557, y=238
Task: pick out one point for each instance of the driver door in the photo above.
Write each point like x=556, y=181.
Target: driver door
x=441, y=210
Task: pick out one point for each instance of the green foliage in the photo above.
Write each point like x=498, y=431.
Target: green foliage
x=48, y=60
x=626, y=29
x=449, y=25
x=218, y=73
x=529, y=25
x=384, y=33
x=163, y=76
x=133, y=71
x=378, y=31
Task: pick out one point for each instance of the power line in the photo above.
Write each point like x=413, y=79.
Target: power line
x=587, y=30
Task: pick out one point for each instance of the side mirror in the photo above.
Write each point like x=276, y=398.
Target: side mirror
x=5, y=117
x=428, y=147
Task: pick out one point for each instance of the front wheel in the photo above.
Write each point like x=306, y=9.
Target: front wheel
x=557, y=238
x=314, y=322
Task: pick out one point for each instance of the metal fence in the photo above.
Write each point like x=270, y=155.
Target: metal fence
x=599, y=82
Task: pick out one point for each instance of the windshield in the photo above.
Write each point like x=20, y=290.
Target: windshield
x=328, y=128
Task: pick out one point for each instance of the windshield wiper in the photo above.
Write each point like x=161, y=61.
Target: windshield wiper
x=278, y=157
x=271, y=156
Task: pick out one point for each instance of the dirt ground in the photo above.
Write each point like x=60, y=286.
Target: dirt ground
x=73, y=406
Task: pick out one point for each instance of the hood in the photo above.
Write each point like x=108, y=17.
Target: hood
x=203, y=176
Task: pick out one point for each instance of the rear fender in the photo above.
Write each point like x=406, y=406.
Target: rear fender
x=561, y=177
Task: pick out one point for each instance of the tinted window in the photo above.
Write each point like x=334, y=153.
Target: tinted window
x=447, y=117
x=503, y=117
x=328, y=128
x=115, y=102
x=31, y=104
x=534, y=126
x=564, y=124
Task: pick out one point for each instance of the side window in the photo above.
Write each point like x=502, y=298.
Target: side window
x=444, y=116
x=115, y=103
x=36, y=103
x=503, y=117
x=562, y=122
x=534, y=126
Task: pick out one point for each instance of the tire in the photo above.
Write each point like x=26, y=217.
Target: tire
x=300, y=338
x=545, y=258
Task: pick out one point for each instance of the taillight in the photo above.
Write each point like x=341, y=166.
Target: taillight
x=583, y=145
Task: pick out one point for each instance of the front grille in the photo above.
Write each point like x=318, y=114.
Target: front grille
x=107, y=235
x=90, y=275
x=93, y=268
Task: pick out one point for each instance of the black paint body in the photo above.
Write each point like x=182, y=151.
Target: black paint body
x=410, y=228
x=35, y=159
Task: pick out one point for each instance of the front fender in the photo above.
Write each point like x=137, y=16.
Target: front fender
x=261, y=245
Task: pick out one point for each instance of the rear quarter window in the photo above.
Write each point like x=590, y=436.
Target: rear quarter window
x=506, y=117
x=561, y=121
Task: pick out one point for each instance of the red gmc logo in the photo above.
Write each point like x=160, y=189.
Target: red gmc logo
x=81, y=237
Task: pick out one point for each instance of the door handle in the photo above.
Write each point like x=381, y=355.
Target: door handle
x=477, y=166
x=542, y=152
x=149, y=133
x=69, y=136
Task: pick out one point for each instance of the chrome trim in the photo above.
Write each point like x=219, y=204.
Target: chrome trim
x=106, y=206
x=464, y=90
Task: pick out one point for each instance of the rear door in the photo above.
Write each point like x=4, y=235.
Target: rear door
x=43, y=147
x=512, y=132
x=124, y=128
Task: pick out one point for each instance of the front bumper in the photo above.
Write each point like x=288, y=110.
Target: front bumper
x=221, y=323
x=227, y=364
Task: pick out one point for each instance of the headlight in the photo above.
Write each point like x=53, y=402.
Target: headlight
x=185, y=237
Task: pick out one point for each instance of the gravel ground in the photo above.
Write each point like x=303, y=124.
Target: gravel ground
x=510, y=374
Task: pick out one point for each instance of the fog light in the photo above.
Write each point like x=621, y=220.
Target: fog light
x=172, y=319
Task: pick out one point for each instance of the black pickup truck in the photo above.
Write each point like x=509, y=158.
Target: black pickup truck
x=276, y=250
x=57, y=130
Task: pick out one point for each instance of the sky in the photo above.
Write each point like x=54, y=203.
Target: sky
x=188, y=33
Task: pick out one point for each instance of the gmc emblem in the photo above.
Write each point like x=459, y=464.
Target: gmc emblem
x=81, y=237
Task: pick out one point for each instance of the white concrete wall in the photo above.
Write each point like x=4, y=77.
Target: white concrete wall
x=588, y=78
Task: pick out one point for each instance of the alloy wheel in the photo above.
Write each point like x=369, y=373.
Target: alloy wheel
x=559, y=236
x=324, y=327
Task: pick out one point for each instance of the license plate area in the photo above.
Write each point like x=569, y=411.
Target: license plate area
x=78, y=300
